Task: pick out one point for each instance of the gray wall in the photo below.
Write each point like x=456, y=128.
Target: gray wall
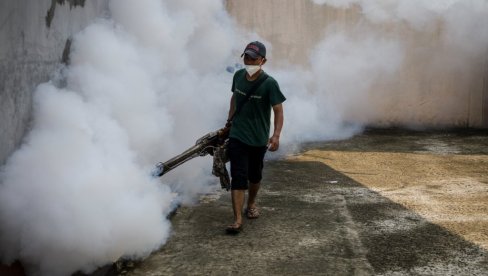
x=33, y=35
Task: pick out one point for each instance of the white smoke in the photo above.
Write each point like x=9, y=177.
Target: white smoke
x=75, y=193
x=141, y=87
x=345, y=69
x=408, y=62
x=415, y=12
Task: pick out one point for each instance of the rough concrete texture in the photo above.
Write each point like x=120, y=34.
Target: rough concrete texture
x=30, y=52
x=326, y=217
x=442, y=177
x=52, y=10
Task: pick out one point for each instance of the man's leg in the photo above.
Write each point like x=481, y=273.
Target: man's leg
x=253, y=192
x=237, y=204
x=238, y=156
x=256, y=158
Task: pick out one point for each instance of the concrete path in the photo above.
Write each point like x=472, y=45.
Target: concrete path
x=315, y=221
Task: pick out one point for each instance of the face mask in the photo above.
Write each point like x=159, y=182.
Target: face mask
x=252, y=69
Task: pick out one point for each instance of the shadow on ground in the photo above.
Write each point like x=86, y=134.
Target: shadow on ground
x=314, y=220
x=462, y=141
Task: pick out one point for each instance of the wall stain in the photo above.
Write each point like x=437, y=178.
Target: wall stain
x=66, y=52
x=52, y=9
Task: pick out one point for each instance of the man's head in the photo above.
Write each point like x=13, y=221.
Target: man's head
x=254, y=53
x=255, y=49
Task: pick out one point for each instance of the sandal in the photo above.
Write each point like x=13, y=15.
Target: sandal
x=252, y=213
x=235, y=228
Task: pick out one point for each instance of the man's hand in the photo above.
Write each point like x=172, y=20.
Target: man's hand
x=274, y=143
x=228, y=124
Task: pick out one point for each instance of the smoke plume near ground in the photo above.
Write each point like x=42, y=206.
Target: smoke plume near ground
x=143, y=85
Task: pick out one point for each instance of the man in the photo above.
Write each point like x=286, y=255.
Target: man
x=249, y=135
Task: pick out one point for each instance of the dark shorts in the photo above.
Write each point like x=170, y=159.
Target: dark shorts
x=246, y=164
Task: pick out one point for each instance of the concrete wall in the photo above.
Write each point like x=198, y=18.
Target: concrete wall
x=418, y=96
x=485, y=94
x=292, y=26
x=33, y=35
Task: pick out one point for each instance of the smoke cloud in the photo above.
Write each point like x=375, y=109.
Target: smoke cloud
x=408, y=63
x=143, y=85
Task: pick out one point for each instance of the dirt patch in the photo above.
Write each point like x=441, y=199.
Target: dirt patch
x=436, y=179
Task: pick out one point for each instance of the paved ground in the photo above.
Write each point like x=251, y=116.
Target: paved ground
x=382, y=203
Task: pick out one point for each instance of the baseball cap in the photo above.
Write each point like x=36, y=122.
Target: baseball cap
x=255, y=49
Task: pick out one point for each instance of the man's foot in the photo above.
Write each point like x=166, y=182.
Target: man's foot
x=234, y=228
x=252, y=213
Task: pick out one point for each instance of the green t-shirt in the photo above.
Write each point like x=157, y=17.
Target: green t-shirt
x=251, y=125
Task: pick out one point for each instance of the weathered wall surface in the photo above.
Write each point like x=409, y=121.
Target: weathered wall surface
x=292, y=26
x=33, y=35
x=418, y=96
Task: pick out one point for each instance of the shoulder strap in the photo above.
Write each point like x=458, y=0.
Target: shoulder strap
x=251, y=91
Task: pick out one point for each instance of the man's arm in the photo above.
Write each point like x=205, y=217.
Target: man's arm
x=274, y=141
x=232, y=108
